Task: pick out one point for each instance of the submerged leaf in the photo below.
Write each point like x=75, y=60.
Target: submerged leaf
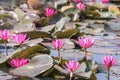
x=36, y=66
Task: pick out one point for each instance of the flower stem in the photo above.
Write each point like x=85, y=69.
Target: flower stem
x=108, y=74
x=5, y=44
x=71, y=75
x=85, y=54
x=59, y=56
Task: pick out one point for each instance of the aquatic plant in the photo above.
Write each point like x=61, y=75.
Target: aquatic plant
x=58, y=45
x=108, y=62
x=71, y=66
x=15, y=63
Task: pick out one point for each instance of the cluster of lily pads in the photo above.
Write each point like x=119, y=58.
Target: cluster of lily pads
x=31, y=32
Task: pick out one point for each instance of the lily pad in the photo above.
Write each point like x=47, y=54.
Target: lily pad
x=31, y=50
x=71, y=11
x=68, y=33
x=37, y=34
x=36, y=66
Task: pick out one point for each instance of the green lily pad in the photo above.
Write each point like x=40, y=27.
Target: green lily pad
x=31, y=50
x=69, y=33
x=37, y=34
x=71, y=11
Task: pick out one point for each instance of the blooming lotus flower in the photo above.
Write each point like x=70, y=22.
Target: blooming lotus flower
x=105, y=1
x=76, y=1
x=4, y=34
x=72, y=66
x=15, y=63
x=19, y=38
x=80, y=6
x=57, y=44
x=108, y=61
x=49, y=12
x=85, y=42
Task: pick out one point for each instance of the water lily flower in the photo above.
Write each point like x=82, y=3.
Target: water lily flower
x=72, y=66
x=108, y=61
x=80, y=6
x=76, y=1
x=15, y=63
x=19, y=38
x=85, y=42
x=4, y=34
x=57, y=44
x=105, y=1
x=49, y=11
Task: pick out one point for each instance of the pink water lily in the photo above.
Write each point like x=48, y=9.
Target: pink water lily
x=4, y=34
x=72, y=66
x=85, y=42
x=15, y=63
x=108, y=61
x=76, y=1
x=105, y=1
x=49, y=11
x=19, y=38
x=80, y=6
x=57, y=44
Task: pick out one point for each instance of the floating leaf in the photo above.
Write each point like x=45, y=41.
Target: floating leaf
x=34, y=41
x=68, y=33
x=31, y=50
x=47, y=28
x=19, y=27
x=37, y=34
x=90, y=14
x=82, y=67
x=60, y=25
x=36, y=66
x=56, y=18
x=93, y=31
x=20, y=14
x=60, y=2
x=71, y=11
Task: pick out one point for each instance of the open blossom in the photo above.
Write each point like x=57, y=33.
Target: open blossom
x=72, y=65
x=108, y=61
x=15, y=63
x=19, y=38
x=105, y=1
x=76, y=1
x=80, y=6
x=49, y=12
x=85, y=42
x=57, y=44
x=4, y=34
